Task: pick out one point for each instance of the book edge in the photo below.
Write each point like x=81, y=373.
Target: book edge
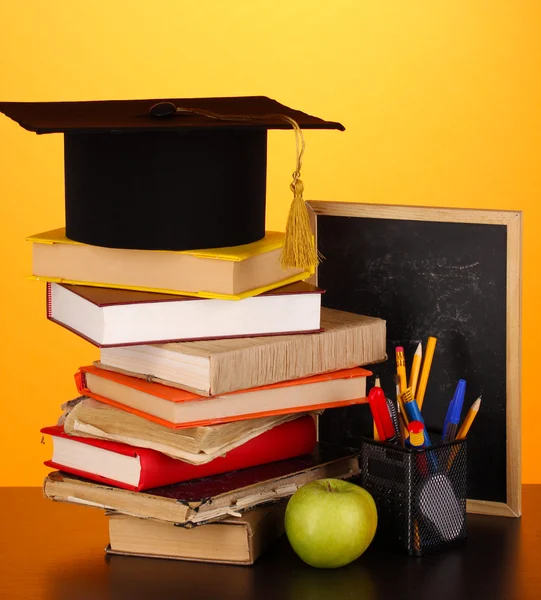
x=109, y=551
x=344, y=468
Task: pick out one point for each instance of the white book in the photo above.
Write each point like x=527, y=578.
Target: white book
x=112, y=317
x=227, y=365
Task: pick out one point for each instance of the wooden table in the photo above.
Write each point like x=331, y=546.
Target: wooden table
x=52, y=550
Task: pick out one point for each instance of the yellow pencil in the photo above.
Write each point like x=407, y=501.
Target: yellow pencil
x=415, y=368
x=463, y=431
x=376, y=434
x=425, y=371
x=470, y=417
x=401, y=369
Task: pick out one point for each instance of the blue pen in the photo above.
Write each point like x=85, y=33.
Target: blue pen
x=452, y=418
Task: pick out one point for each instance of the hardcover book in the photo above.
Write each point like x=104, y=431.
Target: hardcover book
x=221, y=366
x=139, y=469
x=172, y=407
x=229, y=273
x=112, y=317
x=194, y=445
x=234, y=540
x=211, y=498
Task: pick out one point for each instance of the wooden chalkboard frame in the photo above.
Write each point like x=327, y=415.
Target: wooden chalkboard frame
x=512, y=220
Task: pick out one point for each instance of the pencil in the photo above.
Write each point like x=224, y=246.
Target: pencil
x=401, y=368
x=402, y=412
x=470, y=417
x=415, y=368
x=425, y=371
x=463, y=431
x=416, y=535
x=403, y=419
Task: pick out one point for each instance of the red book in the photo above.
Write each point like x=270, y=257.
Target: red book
x=140, y=469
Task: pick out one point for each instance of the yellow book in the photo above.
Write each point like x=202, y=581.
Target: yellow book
x=229, y=273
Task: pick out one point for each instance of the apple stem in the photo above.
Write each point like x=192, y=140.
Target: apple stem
x=329, y=486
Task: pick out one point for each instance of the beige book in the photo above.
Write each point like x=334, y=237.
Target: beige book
x=235, y=540
x=230, y=273
x=211, y=498
x=221, y=366
x=195, y=445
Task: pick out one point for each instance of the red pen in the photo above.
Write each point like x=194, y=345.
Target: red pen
x=380, y=413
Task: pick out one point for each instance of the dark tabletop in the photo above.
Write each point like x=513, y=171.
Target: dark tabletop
x=50, y=550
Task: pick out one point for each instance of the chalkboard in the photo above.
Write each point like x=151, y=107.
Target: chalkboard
x=451, y=274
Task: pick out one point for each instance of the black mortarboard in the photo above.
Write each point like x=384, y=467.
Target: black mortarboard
x=174, y=174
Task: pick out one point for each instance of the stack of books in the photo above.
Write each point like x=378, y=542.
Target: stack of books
x=201, y=410
x=199, y=419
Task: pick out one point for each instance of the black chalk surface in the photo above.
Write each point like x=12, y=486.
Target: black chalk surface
x=425, y=278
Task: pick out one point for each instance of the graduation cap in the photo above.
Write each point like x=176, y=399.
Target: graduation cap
x=175, y=174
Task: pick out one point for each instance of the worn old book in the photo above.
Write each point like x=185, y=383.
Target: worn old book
x=194, y=445
x=229, y=273
x=137, y=469
x=114, y=317
x=221, y=366
x=176, y=408
x=234, y=540
x=211, y=498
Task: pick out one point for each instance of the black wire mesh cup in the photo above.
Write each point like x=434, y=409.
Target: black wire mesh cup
x=420, y=494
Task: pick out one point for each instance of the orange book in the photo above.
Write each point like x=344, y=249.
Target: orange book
x=177, y=408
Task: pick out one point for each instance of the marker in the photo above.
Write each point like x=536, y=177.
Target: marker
x=413, y=412
x=380, y=413
x=417, y=440
x=425, y=371
x=376, y=384
x=417, y=434
x=415, y=368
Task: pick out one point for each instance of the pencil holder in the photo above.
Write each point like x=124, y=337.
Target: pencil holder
x=420, y=494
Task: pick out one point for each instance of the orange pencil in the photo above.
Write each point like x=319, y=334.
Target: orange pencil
x=472, y=413
x=463, y=431
x=425, y=371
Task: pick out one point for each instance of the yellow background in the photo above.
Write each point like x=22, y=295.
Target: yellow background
x=441, y=101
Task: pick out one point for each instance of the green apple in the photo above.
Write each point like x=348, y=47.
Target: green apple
x=330, y=522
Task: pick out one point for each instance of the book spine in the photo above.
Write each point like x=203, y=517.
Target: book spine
x=80, y=382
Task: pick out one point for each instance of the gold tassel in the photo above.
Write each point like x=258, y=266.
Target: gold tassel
x=299, y=251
